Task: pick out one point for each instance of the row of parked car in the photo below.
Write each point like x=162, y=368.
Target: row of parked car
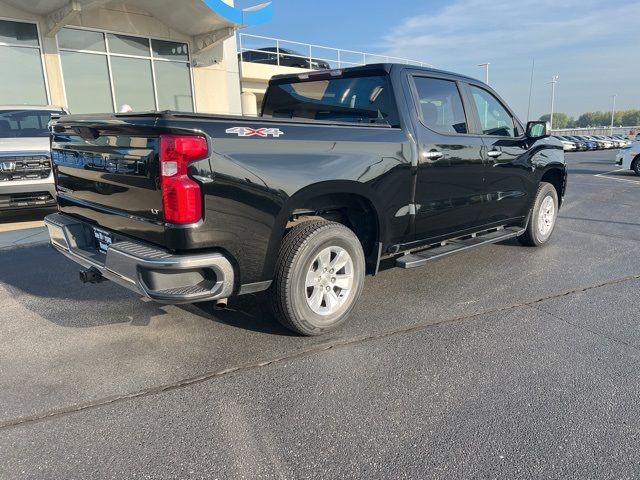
x=592, y=142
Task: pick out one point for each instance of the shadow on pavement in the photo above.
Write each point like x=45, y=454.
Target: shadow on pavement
x=595, y=162
x=50, y=288
x=250, y=312
x=47, y=284
x=585, y=171
x=27, y=215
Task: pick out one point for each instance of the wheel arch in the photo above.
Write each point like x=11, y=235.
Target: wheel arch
x=343, y=201
x=556, y=175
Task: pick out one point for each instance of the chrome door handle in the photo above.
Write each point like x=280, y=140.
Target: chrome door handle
x=494, y=153
x=432, y=155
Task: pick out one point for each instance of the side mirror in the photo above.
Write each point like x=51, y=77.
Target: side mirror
x=537, y=130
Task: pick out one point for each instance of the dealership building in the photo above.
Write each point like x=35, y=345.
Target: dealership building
x=99, y=55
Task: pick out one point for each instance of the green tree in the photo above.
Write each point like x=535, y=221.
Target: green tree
x=560, y=120
x=628, y=118
x=593, y=119
x=625, y=118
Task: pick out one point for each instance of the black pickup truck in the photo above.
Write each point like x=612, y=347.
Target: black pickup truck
x=342, y=169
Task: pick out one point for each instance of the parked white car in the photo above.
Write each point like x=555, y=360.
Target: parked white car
x=629, y=157
x=567, y=146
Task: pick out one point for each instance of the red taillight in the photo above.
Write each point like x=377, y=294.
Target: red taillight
x=181, y=196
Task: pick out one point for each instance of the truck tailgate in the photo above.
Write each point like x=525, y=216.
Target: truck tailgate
x=110, y=177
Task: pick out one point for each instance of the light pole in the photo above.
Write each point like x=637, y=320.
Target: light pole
x=554, y=80
x=533, y=66
x=613, y=113
x=486, y=71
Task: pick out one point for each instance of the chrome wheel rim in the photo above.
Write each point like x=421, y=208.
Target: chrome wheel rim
x=329, y=280
x=546, y=216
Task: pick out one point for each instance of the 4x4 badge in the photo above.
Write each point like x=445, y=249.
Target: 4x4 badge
x=258, y=132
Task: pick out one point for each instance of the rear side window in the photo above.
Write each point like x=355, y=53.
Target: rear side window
x=365, y=100
x=440, y=105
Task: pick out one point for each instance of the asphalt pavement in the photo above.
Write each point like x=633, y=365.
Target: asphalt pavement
x=501, y=362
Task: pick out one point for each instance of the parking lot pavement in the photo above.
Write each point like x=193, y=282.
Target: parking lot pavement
x=621, y=175
x=504, y=362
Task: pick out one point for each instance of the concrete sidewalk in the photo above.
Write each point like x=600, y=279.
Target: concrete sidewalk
x=23, y=228
x=23, y=238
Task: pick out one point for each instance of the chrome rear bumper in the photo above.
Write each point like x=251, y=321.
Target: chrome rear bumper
x=146, y=269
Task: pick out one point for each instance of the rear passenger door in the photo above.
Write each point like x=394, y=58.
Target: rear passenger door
x=507, y=174
x=449, y=183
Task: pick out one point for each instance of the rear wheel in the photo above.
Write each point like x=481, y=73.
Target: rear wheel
x=636, y=165
x=543, y=217
x=319, y=277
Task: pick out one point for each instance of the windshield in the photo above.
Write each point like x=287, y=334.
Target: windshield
x=25, y=123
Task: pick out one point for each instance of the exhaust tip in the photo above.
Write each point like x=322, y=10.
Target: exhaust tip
x=221, y=303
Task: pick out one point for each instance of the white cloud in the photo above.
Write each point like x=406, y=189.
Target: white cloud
x=475, y=29
x=577, y=39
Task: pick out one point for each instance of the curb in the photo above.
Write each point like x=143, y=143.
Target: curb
x=24, y=245
x=23, y=238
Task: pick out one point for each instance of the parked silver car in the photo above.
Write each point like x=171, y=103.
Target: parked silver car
x=26, y=177
x=607, y=142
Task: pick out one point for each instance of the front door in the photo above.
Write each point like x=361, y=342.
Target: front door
x=449, y=184
x=508, y=188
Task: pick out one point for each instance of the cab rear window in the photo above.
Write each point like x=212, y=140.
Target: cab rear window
x=364, y=100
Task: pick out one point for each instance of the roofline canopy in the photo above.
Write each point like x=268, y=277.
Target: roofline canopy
x=194, y=18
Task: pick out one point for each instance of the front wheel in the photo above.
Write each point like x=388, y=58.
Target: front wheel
x=543, y=217
x=319, y=277
x=636, y=166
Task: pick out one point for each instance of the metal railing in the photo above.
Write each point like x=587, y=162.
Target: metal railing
x=285, y=53
x=597, y=131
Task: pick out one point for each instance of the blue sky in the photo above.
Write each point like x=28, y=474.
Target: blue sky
x=591, y=44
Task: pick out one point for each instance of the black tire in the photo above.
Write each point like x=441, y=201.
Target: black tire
x=533, y=235
x=635, y=166
x=289, y=292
